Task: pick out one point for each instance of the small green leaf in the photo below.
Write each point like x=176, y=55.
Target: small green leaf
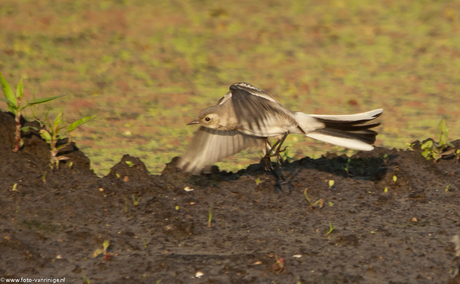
x=45, y=135
x=41, y=101
x=331, y=183
x=9, y=95
x=105, y=245
x=77, y=123
x=11, y=106
x=26, y=128
x=57, y=122
x=427, y=155
x=395, y=178
x=19, y=90
x=443, y=132
x=62, y=146
x=129, y=163
x=97, y=252
x=427, y=145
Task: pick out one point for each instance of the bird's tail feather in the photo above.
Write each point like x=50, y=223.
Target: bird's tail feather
x=350, y=131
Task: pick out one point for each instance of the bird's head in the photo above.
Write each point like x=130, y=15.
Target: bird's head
x=207, y=118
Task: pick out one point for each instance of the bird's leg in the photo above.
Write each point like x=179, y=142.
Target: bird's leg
x=269, y=152
x=278, y=150
x=266, y=159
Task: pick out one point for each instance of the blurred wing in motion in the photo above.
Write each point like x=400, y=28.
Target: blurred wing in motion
x=210, y=146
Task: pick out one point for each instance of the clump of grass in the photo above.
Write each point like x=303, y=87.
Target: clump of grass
x=437, y=150
x=13, y=100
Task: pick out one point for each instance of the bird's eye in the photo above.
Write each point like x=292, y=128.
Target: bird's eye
x=207, y=118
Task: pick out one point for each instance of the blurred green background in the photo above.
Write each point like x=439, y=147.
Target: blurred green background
x=148, y=67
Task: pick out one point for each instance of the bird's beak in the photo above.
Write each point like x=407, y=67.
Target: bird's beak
x=193, y=122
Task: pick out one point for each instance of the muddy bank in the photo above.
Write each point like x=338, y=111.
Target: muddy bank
x=55, y=219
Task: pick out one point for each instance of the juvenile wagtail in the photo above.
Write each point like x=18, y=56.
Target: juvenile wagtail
x=246, y=117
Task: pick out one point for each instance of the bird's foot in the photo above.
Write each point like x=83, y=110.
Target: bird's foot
x=267, y=162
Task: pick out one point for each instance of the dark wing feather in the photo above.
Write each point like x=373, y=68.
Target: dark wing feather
x=258, y=113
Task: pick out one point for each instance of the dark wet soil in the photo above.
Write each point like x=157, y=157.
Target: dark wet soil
x=55, y=220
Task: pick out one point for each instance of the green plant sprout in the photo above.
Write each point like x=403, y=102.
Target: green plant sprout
x=457, y=155
x=129, y=163
x=135, y=200
x=385, y=158
x=409, y=146
x=331, y=184
x=14, y=105
x=15, y=187
x=86, y=280
x=436, y=150
x=347, y=166
x=395, y=178
x=53, y=135
x=331, y=228
x=103, y=251
x=319, y=202
x=210, y=216
x=279, y=266
x=447, y=187
x=257, y=180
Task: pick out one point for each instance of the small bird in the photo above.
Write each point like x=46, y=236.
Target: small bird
x=246, y=117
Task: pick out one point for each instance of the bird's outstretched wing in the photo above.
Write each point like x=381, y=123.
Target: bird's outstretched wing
x=210, y=146
x=258, y=113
